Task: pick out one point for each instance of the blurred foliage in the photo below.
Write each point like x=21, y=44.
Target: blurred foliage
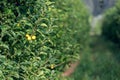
x=99, y=62
x=111, y=24
x=38, y=38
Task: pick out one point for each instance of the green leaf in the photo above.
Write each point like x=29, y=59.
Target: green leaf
x=1, y=72
x=43, y=53
x=2, y=58
x=19, y=52
x=10, y=78
x=49, y=3
x=43, y=25
x=4, y=46
x=15, y=74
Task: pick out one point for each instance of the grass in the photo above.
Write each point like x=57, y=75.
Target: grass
x=101, y=61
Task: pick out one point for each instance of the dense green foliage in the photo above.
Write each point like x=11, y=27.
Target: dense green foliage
x=111, y=24
x=38, y=38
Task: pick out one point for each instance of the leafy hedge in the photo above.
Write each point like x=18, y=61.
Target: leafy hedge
x=38, y=38
x=111, y=24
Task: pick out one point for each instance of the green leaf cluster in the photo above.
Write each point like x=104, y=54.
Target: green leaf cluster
x=38, y=38
x=111, y=24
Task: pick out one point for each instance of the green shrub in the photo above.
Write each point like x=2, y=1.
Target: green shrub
x=38, y=38
x=111, y=24
x=103, y=67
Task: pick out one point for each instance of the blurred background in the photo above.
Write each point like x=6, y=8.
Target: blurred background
x=102, y=61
